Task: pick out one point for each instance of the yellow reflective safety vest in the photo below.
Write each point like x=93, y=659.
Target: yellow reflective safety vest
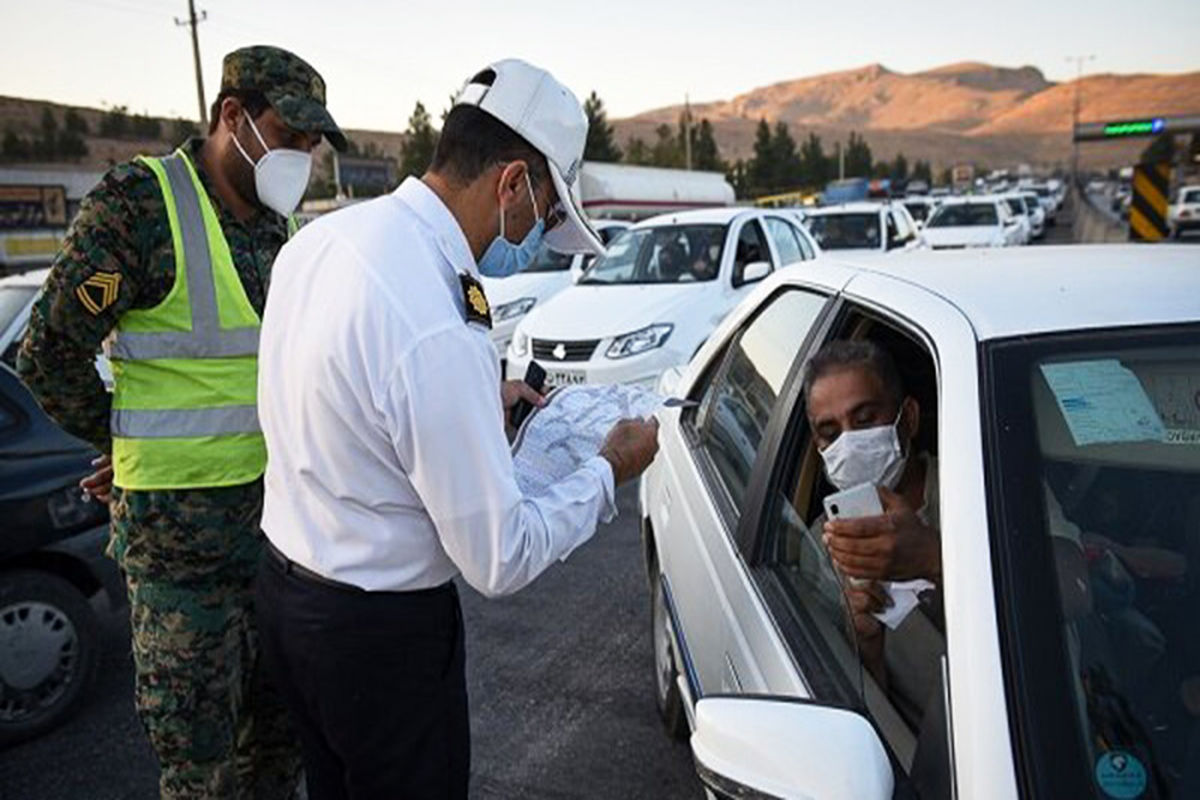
x=185, y=373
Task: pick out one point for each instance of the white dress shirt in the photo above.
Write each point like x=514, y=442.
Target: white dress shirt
x=388, y=467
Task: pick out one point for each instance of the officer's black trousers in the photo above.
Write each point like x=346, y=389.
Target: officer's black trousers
x=375, y=683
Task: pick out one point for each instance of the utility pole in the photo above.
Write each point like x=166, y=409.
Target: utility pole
x=687, y=131
x=1079, y=62
x=841, y=162
x=192, y=21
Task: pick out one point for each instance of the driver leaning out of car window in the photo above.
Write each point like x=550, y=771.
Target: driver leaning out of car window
x=864, y=425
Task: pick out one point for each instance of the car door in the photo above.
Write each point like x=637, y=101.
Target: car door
x=701, y=495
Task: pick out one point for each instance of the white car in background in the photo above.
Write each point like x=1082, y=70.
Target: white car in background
x=976, y=221
x=655, y=296
x=1048, y=198
x=1184, y=215
x=1020, y=211
x=1037, y=214
x=1054, y=657
x=864, y=228
x=548, y=274
x=17, y=296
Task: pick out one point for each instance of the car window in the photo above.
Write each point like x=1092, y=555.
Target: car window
x=662, y=254
x=1104, y=483
x=850, y=231
x=751, y=248
x=547, y=260
x=904, y=225
x=955, y=215
x=13, y=300
x=919, y=211
x=736, y=405
x=892, y=673
x=893, y=234
x=785, y=241
x=1192, y=196
x=806, y=245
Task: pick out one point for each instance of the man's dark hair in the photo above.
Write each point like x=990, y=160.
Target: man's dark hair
x=472, y=141
x=254, y=101
x=843, y=354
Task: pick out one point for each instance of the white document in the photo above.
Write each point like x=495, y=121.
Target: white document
x=556, y=439
x=1103, y=402
x=905, y=597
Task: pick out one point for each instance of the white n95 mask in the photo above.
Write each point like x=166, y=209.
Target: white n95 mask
x=870, y=455
x=280, y=176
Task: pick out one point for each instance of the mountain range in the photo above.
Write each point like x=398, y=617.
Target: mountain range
x=960, y=112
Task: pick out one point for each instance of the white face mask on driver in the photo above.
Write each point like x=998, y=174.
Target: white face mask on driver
x=280, y=176
x=869, y=455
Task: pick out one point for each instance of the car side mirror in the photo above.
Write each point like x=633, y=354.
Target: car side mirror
x=755, y=271
x=782, y=747
x=669, y=381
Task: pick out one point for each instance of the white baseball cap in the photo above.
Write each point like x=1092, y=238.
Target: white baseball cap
x=533, y=104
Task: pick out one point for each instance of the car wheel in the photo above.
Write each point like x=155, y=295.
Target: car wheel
x=49, y=638
x=666, y=687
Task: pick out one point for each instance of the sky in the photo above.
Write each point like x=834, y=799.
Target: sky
x=379, y=58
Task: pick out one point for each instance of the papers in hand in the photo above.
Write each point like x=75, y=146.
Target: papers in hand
x=560, y=436
x=905, y=596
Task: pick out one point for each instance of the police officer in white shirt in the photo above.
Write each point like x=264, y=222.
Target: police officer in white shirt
x=389, y=471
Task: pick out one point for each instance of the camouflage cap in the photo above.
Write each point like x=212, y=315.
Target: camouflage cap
x=295, y=90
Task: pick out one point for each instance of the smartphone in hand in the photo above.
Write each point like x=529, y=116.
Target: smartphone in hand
x=535, y=378
x=857, y=501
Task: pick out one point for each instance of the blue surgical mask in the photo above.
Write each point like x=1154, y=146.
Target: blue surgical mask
x=503, y=258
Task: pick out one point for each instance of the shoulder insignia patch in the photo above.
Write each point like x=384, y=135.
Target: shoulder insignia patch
x=478, y=310
x=99, y=291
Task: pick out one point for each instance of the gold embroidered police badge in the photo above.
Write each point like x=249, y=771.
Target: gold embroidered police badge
x=99, y=291
x=478, y=310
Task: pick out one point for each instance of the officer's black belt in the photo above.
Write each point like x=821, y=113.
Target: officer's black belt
x=290, y=567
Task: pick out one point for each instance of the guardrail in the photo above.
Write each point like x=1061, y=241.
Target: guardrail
x=1090, y=225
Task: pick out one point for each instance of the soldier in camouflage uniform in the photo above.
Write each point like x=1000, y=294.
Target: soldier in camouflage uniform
x=189, y=555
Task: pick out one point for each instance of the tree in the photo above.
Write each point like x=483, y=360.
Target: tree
x=420, y=140
x=899, y=171
x=45, y=147
x=71, y=146
x=636, y=152
x=705, y=154
x=14, y=148
x=75, y=123
x=668, y=149
x=184, y=129
x=115, y=123
x=922, y=171
x=815, y=168
x=760, y=171
x=601, y=142
x=785, y=162
x=858, y=157
x=947, y=176
x=738, y=179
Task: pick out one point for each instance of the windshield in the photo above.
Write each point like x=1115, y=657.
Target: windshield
x=963, y=215
x=548, y=260
x=13, y=300
x=1102, y=476
x=1015, y=205
x=1192, y=196
x=1032, y=200
x=1041, y=191
x=919, y=211
x=845, y=231
x=666, y=254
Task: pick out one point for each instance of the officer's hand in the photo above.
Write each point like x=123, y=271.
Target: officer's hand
x=512, y=391
x=630, y=447
x=99, y=483
x=895, y=545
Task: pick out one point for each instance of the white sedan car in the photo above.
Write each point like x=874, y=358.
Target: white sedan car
x=654, y=297
x=548, y=274
x=1055, y=654
x=866, y=228
x=977, y=221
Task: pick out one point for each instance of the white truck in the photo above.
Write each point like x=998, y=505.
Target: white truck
x=622, y=191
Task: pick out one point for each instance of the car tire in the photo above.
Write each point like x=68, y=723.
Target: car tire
x=49, y=642
x=666, y=687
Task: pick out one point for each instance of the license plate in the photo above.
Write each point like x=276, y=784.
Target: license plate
x=554, y=378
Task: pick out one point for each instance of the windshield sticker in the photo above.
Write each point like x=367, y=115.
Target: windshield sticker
x=1120, y=774
x=1103, y=402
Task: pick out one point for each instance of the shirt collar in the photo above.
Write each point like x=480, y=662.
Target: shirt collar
x=448, y=234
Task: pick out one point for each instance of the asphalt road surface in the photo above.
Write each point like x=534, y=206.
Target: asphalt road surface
x=562, y=702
